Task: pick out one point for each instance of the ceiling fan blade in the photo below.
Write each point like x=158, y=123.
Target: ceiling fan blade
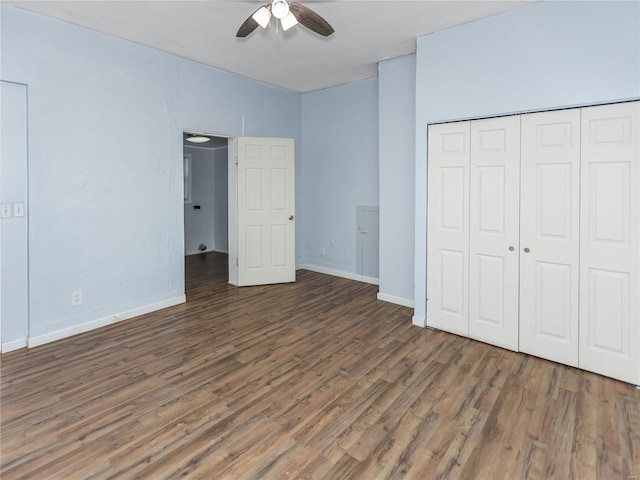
x=310, y=19
x=248, y=26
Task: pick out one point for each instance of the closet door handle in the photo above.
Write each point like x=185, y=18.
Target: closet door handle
x=511, y=248
x=526, y=250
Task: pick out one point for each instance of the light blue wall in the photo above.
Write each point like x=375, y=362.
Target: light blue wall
x=105, y=142
x=105, y=161
x=340, y=152
x=547, y=55
x=396, y=106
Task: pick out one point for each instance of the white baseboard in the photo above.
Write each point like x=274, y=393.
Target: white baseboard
x=419, y=321
x=13, y=345
x=338, y=273
x=405, y=302
x=102, y=322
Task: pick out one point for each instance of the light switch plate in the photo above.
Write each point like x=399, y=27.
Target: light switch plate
x=18, y=209
x=5, y=210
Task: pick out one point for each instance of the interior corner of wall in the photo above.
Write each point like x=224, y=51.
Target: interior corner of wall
x=419, y=321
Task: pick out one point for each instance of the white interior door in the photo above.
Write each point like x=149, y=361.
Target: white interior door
x=448, y=228
x=494, y=231
x=610, y=244
x=549, y=235
x=266, y=211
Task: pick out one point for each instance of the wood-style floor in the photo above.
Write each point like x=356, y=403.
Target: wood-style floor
x=315, y=379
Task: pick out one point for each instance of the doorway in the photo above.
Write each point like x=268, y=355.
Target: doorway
x=216, y=208
x=205, y=175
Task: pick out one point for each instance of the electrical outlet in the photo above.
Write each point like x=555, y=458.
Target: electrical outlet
x=76, y=298
x=323, y=251
x=5, y=210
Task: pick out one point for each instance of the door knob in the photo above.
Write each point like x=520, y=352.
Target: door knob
x=526, y=249
x=511, y=248
x=290, y=217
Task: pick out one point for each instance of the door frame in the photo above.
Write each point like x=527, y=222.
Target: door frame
x=232, y=197
x=232, y=215
x=8, y=345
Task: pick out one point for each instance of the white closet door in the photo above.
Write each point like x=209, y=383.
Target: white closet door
x=448, y=228
x=494, y=217
x=609, y=250
x=549, y=235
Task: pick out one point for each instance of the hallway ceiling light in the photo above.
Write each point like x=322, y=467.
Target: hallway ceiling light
x=195, y=138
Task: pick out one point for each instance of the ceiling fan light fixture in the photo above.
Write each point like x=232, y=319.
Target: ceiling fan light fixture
x=280, y=9
x=262, y=16
x=289, y=21
x=289, y=14
x=195, y=138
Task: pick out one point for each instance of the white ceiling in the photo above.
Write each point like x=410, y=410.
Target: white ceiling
x=299, y=60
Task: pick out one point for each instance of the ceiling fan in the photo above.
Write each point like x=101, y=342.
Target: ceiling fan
x=289, y=15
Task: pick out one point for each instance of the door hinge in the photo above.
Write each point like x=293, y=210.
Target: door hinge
x=237, y=262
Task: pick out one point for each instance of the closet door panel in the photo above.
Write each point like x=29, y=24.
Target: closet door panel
x=494, y=231
x=610, y=246
x=448, y=228
x=549, y=235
